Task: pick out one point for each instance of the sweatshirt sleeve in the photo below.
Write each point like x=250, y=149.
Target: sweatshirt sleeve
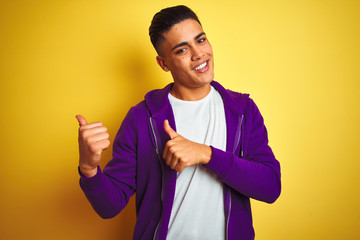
x=257, y=174
x=110, y=190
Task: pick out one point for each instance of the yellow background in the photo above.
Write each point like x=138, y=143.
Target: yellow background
x=300, y=60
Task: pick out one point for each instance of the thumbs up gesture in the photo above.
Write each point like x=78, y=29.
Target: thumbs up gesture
x=180, y=152
x=93, y=139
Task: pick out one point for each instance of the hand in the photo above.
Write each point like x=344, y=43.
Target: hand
x=180, y=152
x=93, y=139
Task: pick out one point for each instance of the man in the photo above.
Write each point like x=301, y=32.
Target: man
x=193, y=152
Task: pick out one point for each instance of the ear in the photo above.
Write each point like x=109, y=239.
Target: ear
x=161, y=61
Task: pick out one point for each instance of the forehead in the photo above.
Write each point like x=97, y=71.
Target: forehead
x=184, y=31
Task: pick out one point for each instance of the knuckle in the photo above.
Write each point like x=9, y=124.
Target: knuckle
x=93, y=148
x=183, y=164
x=84, y=133
x=172, y=150
x=88, y=141
x=173, y=164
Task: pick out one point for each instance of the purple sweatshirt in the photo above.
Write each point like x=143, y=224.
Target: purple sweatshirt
x=248, y=168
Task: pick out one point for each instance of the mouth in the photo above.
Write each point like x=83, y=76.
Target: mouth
x=202, y=67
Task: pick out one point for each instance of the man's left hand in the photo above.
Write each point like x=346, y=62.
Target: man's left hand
x=180, y=152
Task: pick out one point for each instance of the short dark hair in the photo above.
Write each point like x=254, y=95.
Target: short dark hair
x=165, y=19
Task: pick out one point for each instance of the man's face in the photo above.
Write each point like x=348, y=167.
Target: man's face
x=187, y=54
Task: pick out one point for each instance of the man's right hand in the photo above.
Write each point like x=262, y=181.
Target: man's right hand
x=93, y=139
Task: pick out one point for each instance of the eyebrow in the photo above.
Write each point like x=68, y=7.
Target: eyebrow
x=186, y=43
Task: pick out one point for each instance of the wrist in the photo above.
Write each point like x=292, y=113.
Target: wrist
x=88, y=171
x=207, y=154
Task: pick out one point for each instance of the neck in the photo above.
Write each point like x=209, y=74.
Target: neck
x=190, y=94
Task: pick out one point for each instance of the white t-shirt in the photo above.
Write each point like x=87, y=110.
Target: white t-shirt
x=198, y=209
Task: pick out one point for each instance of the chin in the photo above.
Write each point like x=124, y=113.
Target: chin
x=208, y=80
x=203, y=83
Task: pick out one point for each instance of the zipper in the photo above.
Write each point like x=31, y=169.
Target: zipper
x=236, y=144
x=155, y=139
x=228, y=218
x=162, y=169
x=238, y=137
x=242, y=138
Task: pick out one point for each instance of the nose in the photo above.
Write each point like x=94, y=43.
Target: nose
x=196, y=53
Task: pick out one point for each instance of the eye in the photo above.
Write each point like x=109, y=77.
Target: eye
x=201, y=40
x=180, y=50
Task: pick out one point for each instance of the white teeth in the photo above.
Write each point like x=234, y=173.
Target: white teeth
x=201, y=66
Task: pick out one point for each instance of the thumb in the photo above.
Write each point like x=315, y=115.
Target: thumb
x=172, y=134
x=82, y=121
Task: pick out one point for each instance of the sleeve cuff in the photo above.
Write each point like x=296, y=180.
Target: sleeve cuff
x=221, y=162
x=92, y=184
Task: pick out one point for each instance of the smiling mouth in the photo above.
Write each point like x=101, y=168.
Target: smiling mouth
x=201, y=66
